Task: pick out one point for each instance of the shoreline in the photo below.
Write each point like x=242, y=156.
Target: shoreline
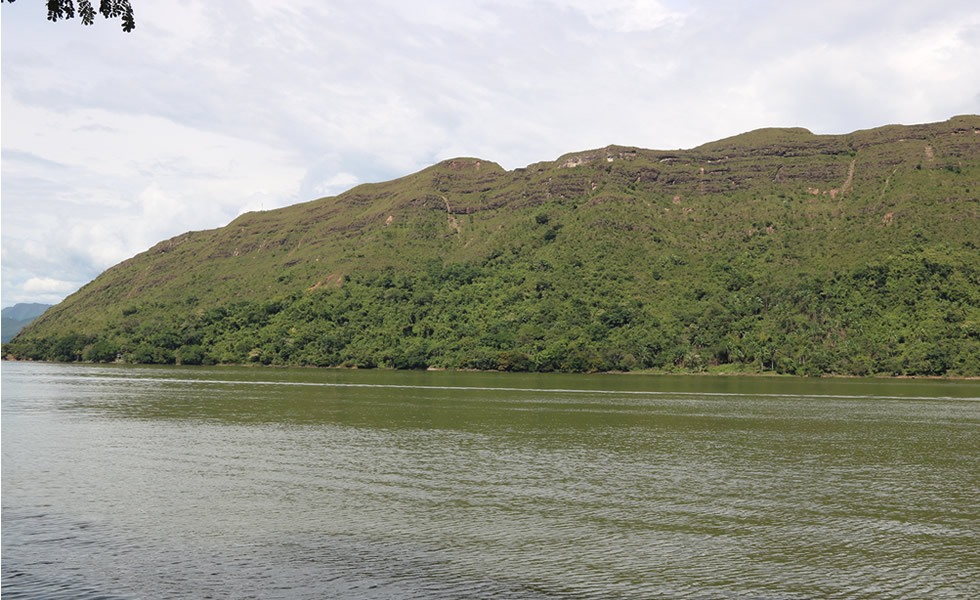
x=880, y=377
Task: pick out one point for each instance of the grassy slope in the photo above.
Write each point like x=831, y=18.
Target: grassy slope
x=773, y=205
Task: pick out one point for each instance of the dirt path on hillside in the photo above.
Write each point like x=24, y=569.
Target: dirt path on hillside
x=850, y=178
x=451, y=220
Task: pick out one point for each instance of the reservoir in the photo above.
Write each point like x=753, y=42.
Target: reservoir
x=124, y=482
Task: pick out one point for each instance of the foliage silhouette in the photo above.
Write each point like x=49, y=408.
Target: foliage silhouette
x=110, y=9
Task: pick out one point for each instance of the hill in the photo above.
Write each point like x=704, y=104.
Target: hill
x=16, y=317
x=775, y=250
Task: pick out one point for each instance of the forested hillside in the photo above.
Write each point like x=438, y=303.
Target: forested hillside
x=776, y=250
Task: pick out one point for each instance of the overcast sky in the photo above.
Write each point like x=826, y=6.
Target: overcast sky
x=112, y=142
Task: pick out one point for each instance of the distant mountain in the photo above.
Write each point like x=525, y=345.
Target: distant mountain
x=16, y=317
x=772, y=251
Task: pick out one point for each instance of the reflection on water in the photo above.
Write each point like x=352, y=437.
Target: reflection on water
x=122, y=482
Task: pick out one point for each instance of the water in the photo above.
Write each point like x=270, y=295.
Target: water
x=139, y=482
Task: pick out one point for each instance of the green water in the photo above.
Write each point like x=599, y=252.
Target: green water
x=139, y=482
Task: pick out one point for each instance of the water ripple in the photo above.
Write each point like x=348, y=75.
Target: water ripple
x=183, y=488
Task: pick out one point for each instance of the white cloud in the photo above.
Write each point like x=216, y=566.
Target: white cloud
x=336, y=184
x=47, y=285
x=627, y=15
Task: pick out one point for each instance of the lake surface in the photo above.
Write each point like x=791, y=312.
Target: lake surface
x=141, y=482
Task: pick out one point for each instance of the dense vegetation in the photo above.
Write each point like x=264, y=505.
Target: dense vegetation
x=774, y=251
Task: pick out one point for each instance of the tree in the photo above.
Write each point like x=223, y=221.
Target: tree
x=110, y=9
x=102, y=351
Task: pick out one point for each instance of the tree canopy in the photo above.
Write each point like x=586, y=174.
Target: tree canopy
x=110, y=9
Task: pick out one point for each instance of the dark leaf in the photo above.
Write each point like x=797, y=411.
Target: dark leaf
x=86, y=12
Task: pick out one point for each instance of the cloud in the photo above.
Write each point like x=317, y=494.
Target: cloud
x=627, y=15
x=27, y=160
x=47, y=284
x=335, y=184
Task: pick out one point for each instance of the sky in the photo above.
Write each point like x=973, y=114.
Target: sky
x=113, y=141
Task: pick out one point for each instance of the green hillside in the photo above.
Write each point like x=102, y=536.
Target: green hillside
x=776, y=250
